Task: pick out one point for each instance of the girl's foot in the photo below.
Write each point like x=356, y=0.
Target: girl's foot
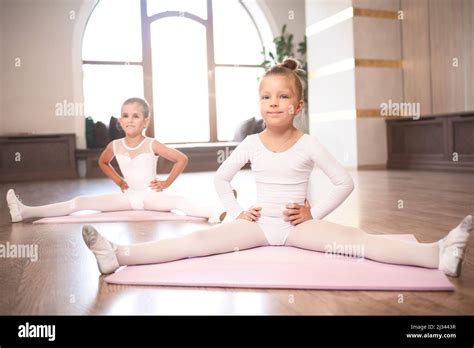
x=219, y=213
x=15, y=206
x=451, y=247
x=104, y=250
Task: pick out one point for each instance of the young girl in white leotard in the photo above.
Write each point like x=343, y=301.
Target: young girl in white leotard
x=137, y=156
x=282, y=159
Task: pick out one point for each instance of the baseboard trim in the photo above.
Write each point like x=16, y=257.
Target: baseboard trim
x=380, y=166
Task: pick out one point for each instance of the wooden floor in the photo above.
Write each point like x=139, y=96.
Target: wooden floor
x=65, y=279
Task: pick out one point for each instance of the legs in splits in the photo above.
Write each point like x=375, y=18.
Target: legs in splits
x=324, y=236
x=107, y=202
x=228, y=237
x=316, y=235
x=157, y=201
x=161, y=201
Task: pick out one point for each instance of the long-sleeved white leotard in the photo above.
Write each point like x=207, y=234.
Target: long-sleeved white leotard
x=282, y=177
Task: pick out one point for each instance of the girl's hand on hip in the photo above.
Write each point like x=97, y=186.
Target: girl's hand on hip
x=251, y=215
x=123, y=185
x=297, y=213
x=159, y=185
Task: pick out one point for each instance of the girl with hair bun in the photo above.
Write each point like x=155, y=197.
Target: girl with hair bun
x=282, y=159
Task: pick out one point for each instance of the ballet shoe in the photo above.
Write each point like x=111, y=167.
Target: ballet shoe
x=217, y=217
x=452, y=247
x=104, y=250
x=219, y=212
x=14, y=205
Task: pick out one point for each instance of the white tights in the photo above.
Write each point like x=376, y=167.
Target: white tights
x=158, y=201
x=314, y=235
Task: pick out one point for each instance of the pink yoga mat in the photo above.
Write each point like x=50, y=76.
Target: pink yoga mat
x=118, y=216
x=285, y=268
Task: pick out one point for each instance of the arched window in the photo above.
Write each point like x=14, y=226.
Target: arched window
x=196, y=61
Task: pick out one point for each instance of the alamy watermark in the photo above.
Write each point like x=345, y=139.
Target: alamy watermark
x=66, y=108
x=222, y=155
x=336, y=250
x=25, y=251
x=392, y=108
x=241, y=156
x=37, y=331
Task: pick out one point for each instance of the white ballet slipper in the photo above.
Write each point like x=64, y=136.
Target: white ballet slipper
x=103, y=249
x=218, y=215
x=14, y=205
x=452, y=247
x=219, y=212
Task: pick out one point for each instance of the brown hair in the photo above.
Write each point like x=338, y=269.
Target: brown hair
x=289, y=67
x=142, y=102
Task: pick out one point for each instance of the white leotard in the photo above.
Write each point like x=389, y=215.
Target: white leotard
x=138, y=167
x=282, y=178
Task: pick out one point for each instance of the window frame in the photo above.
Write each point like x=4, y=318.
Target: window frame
x=146, y=63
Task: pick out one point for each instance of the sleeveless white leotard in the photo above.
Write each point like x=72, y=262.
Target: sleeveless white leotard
x=282, y=178
x=138, y=167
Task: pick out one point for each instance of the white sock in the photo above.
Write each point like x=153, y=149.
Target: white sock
x=451, y=247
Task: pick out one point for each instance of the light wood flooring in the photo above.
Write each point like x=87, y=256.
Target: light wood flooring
x=65, y=279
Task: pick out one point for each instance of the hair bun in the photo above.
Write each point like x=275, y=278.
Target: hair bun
x=291, y=63
x=289, y=67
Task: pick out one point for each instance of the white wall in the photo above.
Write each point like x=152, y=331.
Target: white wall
x=332, y=97
x=337, y=95
x=289, y=12
x=39, y=70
